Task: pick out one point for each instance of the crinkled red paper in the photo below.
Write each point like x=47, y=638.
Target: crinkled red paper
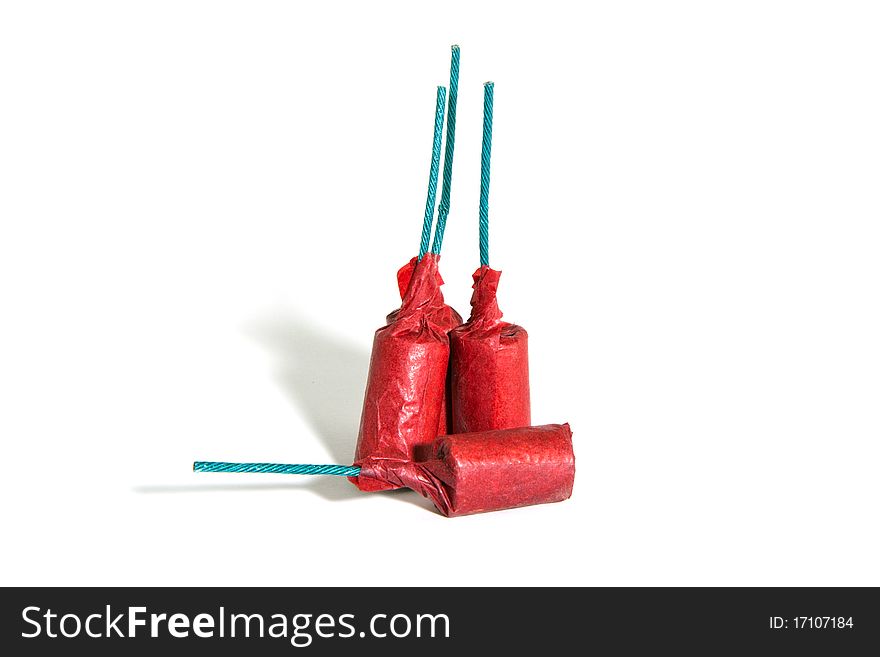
x=489, y=366
x=446, y=318
x=406, y=384
x=486, y=471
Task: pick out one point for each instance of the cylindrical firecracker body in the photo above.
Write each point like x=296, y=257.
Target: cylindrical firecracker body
x=406, y=384
x=489, y=365
x=445, y=317
x=489, y=470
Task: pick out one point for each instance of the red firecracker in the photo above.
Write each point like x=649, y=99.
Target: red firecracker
x=405, y=399
x=406, y=385
x=465, y=473
x=487, y=471
x=489, y=366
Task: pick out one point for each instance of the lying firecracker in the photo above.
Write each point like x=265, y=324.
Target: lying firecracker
x=466, y=473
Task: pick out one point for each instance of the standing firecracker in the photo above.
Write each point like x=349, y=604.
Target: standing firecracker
x=405, y=398
x=446, y=318
x=489, y=365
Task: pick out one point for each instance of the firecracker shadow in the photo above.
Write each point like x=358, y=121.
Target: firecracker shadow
x=333, y=489
x=322, y=373
x=329, y=488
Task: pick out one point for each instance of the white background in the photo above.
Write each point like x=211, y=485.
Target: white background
x=204, y=205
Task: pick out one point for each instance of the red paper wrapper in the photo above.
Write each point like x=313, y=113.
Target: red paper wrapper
x=487, y=471
x=406, y=384
x=489, y=366
x=445, y=317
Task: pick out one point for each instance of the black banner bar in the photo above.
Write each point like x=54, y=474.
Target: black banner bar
x=429, y=621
